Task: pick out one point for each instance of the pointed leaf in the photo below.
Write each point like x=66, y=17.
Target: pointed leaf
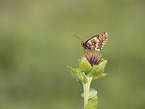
x=92, y=104
x=98, y=70
x=85, y=65
x=98, y=77
x=81, y=76
x=78, y=75
x=73, y=72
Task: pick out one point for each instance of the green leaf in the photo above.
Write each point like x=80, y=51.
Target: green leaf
x=85, y=65
x=78, y=75
x=98, y=77
x=98, y=70
x=73, y=73
x=92, y=93
x=81, y=76
x=92, y=104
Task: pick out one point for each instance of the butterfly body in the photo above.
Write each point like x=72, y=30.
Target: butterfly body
x=96, y=42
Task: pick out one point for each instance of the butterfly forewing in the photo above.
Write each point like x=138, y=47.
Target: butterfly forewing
x=96, y=42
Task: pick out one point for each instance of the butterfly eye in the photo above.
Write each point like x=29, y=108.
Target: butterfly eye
x=82, y=43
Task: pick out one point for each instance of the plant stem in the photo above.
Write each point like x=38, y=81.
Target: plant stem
x=86, y=91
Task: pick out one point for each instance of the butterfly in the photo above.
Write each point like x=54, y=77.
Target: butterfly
x=95, y=43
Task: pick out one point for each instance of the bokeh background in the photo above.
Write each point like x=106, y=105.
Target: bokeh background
x=37, y=42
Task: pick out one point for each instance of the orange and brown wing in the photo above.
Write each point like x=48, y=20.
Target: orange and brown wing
x=97, y=42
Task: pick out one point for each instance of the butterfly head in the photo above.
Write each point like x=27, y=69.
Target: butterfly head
x=85, y=45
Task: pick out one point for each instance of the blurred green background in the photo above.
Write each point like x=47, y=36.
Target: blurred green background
x=37, y=42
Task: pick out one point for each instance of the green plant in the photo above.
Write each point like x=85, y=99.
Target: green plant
x=91, y=68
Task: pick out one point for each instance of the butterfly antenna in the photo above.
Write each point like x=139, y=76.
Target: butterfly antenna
x=78, y=38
